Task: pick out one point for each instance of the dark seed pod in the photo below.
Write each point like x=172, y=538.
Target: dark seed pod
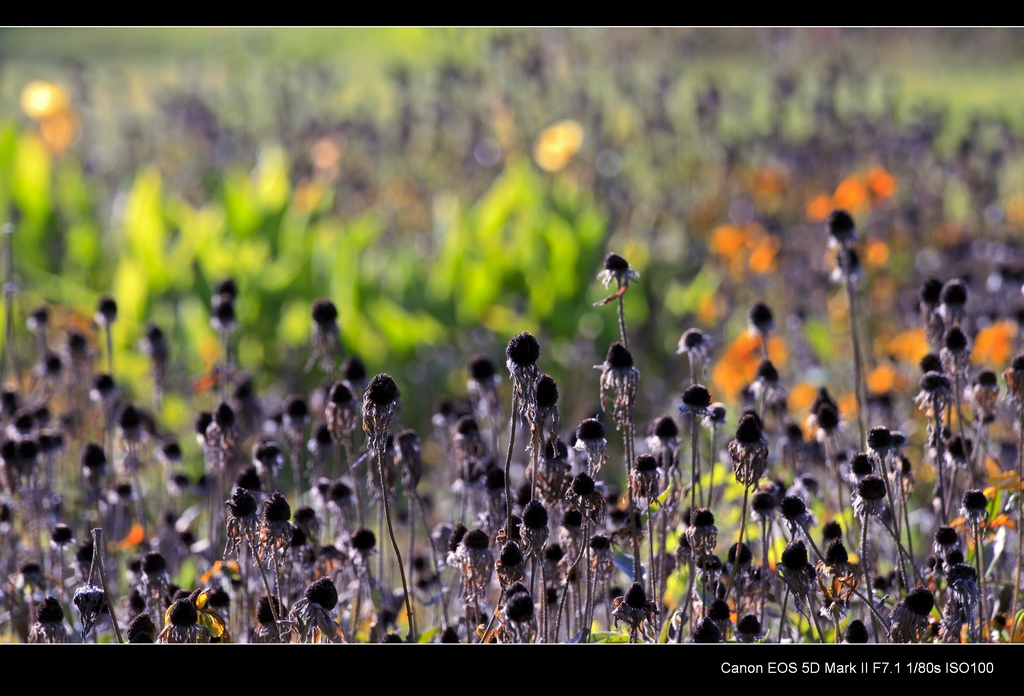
x=523, y=349
x=382, y=390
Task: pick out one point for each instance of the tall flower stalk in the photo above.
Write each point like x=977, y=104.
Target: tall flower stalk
x=380, y=403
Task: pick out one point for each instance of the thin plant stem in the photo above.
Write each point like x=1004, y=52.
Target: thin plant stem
x=1020, y=524
x=394, y=542
x=979, y=553
x=508, y=468
x=739, y=542
x=858, y=366
x=866, y=564
x=97, y=559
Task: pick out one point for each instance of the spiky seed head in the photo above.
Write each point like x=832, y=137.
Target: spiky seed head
x=510, y=555
x=879, y=438
x=861, y=465
x=582, y=484
x=841, y=226
x=353, y=370
x=665, y=428
x=930, y=292
x=323, y=592
x=954, y=340
x=520, y=607
x=745, y=556
x=615, y=263
x=619, y=357
x=702, y=517
x=476, y=539
x=636, y=597
x=224, y=416
x=986, y=378
x=590, y=429
x=871, y=487
x=707, y=632
x=954, y=293
x=930, y=363
x=340, y=394
x=600, y=543
x=547, y=392
x=794, y=556
x=535, y=516
x=646, y=463
x=276, y=508
x=766, y=372
x=836, y=553
x=523, y=349
x=932, y=382
x=920, y=600
x=481, y=368
x=106, y=310
x=382, y=390
x=749, y=430
x=761, y=318
x=325, y=314
x=93, y=456
x=792, y=507
x=974, y=501
x=242, y=503
x=718, y=610
x=696, y=396
x=266, y=609
x=946, y=536
x=856, y=632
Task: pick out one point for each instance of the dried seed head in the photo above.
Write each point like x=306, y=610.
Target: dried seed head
x=325, y=314
x=707, y=632
x=535, y=516
x=696, y=398
x=702, y=517
x=93, y=457
x=582, y=484
x=761, y=319
x=954, y=293
x=615, y=263
x=619, y=357
x=954, y=340
x=920, y=600
x=749, y=430
x=646, y=463
x=856, y=632
x=106, y=311
x=363, y=540
x=322, y=592
x=836, y=553
x=277, y=509
x=745, y=556
x=224, y=416
x=481, y=369
x=590, y=429
x=665, y=428
x=794, y=556
x=547, y=392
x=930, y=292
x=382, y=390
x=841, y=227
x=242, y=503
x=476, y=539
x=522, y=350
x=792, y=507
x=879, y=438
x=861, y=465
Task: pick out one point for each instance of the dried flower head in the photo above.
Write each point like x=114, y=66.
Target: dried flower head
x=326, y=335
x=380, y=403
x=312, y=614
x=590, y=439
x=584, y=497
x=749, y=451
x=617, y=269
x=619, y=376
x=837, y=580
x=909, y=619
x=49, y=624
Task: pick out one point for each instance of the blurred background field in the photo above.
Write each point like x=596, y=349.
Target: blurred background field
x=448, y=188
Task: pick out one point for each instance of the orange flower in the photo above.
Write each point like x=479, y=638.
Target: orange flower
x=801, y=396
x=762, y=258
x=881, y=379
x=994, y=344
x=819, y=208
x=851, y=194
x=877, y=252
x=135, y=538
x=738, y=365
x=881, y=183
x=727, y=240
x=909, y=346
